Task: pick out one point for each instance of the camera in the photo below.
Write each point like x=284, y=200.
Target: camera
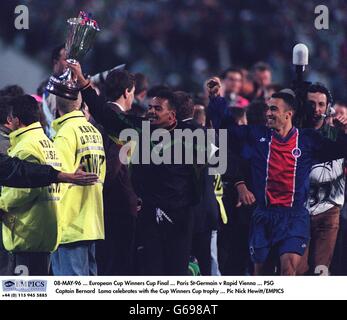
x=212, y=83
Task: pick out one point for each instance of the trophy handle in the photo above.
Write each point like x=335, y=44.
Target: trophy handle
x=66, y=75
x=72, y=61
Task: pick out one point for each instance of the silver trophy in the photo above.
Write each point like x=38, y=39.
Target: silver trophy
x=80, y=38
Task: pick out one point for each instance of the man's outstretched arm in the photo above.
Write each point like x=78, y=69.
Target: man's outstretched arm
x=217, y=107
x=112, y=121
x=21, y=174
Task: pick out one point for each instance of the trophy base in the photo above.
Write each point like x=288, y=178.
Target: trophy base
x=63, y=89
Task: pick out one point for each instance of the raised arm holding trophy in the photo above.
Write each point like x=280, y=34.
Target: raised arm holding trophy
x=80, y=38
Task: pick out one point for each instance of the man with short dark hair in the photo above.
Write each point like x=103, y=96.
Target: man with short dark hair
x=120, y=85
x=139, y=107
x=327, y=187
x=5, y=112
x=31, y=223
x=12, y=91
x=262, y=74
x=58, y=59
x=320, y=100
x=59, y=64
x=115, y=255
x=79, y=143
x=153, y=91
x=263, y=77
x=281, y=157
x=232, y=81
x=185, y=106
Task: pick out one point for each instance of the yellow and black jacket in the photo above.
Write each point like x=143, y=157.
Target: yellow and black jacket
x=79, y=143
x=32, y=222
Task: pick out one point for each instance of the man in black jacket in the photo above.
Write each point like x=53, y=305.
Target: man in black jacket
x=115, y=254
x=168, y=191
x=206, y=212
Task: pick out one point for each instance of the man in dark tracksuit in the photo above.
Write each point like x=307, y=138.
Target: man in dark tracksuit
x=168, y=191
x=206, y=212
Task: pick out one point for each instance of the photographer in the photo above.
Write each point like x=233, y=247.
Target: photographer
x=327, y=186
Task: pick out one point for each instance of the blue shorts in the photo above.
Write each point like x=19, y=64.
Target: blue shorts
x=279, y=230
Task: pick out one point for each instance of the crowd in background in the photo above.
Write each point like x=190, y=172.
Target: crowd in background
x=150, y=39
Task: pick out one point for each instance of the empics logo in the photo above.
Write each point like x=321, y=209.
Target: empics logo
x=9, y=284
x=24, y=285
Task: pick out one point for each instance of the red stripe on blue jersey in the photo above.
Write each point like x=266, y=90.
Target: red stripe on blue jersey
x=281, y=169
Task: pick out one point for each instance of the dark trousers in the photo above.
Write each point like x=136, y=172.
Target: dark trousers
x=115, y=254
x=166, y=245
x=202, y=251
x=6, y=259
x=23, y=263
x=233, y=243
x=30, y=263
x=5, y=263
